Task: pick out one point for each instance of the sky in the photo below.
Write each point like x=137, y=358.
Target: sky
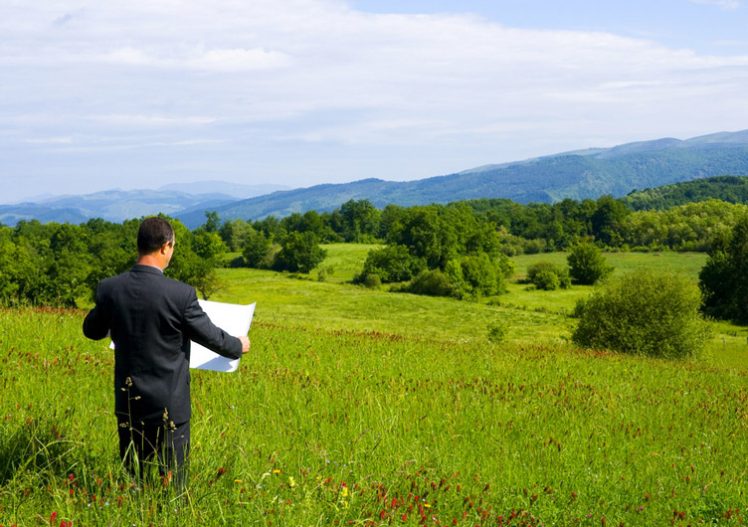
x=142, y=93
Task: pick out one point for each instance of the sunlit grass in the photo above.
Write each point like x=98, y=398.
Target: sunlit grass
x=365, y=407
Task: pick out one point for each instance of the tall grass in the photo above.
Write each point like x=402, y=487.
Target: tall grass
x=360, y=407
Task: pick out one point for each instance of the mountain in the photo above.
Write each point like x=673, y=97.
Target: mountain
x=579, y=174
x=112, y=205
x=235, y=190
x=732, y=189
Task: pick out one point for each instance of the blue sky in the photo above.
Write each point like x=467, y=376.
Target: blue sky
x=143, y=93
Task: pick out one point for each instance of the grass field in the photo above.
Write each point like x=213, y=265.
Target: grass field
x=361, y=407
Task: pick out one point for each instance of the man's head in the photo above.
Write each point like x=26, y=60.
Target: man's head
x=155, y=242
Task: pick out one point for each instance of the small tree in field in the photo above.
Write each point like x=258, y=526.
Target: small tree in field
x=644, y=313
x=724, y=278
x=300, y=252
x=587, y=265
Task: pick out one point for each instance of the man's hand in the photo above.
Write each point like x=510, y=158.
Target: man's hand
x=245, y=343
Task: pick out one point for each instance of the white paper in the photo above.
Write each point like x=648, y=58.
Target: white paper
x=234, y=319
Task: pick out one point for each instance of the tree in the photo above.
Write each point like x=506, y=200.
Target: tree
x=644, y=313
x=724, y=278
x=587, y=265
x=212, y=221
x=357, y=221
x=235, y=233
x=607, y=219
x=257, y=250
x=300, y=252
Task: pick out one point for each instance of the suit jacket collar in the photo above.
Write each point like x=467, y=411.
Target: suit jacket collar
x=140, y=268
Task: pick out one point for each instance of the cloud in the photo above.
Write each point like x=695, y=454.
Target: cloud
x=723, y=4
x=269, y=78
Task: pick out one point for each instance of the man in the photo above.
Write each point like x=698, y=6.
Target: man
x=151, y=320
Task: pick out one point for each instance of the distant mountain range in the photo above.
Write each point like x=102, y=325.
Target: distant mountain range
x=578, y=174
x=118, y=205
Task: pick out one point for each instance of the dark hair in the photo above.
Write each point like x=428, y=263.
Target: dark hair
x=153, y=233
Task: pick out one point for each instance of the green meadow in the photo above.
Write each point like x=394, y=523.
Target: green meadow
x=366, y=407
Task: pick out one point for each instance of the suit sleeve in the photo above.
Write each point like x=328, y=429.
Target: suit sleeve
x=97, y=321
x=204, y=332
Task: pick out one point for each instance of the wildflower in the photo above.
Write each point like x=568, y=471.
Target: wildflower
x=238, y=481
x=276, y=471
x=344, y=491
x=53, y=518
x=291, y=481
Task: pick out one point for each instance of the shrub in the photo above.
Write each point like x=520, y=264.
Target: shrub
x=548, y=276
x=587, y=265
x=372, y=281
x=477, y=275
x=392, y=264
x=433, y=283
x=643, y=313
x=497, y=332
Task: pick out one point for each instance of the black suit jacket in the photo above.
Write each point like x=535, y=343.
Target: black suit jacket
x=151, y=320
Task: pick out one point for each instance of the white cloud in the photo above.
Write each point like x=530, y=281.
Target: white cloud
x=723, y=4
x=258, y=75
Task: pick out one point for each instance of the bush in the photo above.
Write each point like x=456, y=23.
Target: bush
x=478, y=275
x=587, y=265
x=433, y=283
x=548, y=276
x=497, y=332
x=392, y=264
x=643, y=313
x=372, y=281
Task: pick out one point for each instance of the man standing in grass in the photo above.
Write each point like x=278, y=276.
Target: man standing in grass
x=151, y=320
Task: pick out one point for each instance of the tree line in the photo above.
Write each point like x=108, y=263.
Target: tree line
x=60, y=264
x=460, y=249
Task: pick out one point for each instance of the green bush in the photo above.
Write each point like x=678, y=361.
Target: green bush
x=587, y=265
x=478, y=275
x=548, y=276
x=643, y=313
x=393, y=263
x=433, y=283
x=372, y=281
x=497, y=332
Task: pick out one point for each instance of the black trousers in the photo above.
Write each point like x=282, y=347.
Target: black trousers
x=162, y=444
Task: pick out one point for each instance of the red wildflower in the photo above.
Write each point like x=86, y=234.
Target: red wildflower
x=53, y=518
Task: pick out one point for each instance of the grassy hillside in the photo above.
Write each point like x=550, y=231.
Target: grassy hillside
x=359, y=407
